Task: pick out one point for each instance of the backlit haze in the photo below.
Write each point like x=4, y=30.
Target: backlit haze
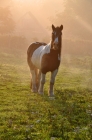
x=33, y=19
x=32, y=16
x=25, y=21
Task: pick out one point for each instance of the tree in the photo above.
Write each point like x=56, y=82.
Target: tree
x=7, y=24
x=76, y=19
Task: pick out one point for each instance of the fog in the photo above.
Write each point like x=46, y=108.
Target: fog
x=25, y=21
x=31, y=20
x=32, y=16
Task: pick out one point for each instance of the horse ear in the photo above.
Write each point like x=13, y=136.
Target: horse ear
x=53, y=27
x=61, y=27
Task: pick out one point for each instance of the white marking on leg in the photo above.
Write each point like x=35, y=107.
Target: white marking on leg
x=39, y=77
x=53, y=75
x=34, y=88
x=42, y=82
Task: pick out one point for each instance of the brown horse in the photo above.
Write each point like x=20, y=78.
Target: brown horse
x=43, y=58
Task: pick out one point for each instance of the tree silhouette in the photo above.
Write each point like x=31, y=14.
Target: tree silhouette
x=76, y=18
x=7, y=24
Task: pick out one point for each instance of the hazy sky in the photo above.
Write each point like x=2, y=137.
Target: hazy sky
x=42, y=9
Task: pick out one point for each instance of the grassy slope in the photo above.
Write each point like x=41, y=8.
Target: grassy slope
x=28, y=116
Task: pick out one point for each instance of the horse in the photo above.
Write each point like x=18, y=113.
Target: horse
x=43, y=58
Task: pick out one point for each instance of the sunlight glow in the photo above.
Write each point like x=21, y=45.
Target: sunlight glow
x=25, y=0
x=84, y=23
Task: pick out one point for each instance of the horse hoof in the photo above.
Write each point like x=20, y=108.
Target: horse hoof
x=50, y=94
x=40, y=92
x=51, y=98
x=34, y=91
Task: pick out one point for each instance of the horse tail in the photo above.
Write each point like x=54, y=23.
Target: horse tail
x=28, y=56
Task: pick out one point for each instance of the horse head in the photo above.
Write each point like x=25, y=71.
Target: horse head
x=56, y=37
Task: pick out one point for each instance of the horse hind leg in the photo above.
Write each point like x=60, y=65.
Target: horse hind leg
x=33, y=70
x=37, y=78
x=33, y=80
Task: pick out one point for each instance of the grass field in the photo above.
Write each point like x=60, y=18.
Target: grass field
x=28, y=116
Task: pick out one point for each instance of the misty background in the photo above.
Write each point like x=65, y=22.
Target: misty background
x=25, y=21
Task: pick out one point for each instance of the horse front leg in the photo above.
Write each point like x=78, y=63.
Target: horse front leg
x=41, y=84
x=51, y=89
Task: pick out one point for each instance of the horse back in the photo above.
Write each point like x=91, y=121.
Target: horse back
x=30, y=51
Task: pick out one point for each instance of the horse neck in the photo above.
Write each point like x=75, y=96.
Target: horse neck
x=58, y=51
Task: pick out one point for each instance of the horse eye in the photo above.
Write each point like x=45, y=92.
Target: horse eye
x=53, y=33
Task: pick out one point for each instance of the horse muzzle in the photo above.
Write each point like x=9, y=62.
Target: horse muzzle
x=55, y=46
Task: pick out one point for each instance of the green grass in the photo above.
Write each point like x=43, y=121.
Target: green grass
x=28, y=116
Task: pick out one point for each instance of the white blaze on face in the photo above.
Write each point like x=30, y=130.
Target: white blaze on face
x=56, y=40
x=55, y=44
